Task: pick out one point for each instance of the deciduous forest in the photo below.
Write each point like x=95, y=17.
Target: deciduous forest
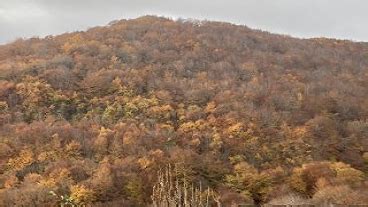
x=122, y=114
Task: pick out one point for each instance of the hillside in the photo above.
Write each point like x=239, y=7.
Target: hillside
x=257, y=117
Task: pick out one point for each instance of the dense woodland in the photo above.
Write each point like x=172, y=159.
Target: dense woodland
x=91, y=118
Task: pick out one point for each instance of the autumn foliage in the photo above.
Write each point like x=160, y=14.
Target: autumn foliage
x=91, y=118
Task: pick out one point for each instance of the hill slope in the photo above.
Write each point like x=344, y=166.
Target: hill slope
x=254, y=116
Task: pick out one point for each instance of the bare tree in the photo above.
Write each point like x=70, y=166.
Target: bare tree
x=173, y=191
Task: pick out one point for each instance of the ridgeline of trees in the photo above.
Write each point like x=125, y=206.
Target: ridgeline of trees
x=92, y=118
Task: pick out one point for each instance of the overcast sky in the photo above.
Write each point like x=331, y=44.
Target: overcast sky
x=343, y=19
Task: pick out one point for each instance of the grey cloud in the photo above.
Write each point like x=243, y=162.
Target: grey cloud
x=343, y=19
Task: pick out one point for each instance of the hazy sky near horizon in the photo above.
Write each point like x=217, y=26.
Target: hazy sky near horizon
x=342, y=19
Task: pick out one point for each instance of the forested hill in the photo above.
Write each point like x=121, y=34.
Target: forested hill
x=256, y=117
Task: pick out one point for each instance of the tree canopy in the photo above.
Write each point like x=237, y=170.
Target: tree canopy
x=93, y=116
